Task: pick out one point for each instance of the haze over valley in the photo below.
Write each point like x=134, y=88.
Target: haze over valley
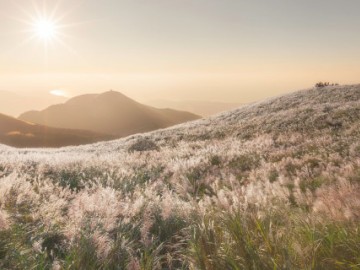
x=14, y=104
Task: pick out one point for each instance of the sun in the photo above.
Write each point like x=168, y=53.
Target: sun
x=45, y=29
x=47, y=24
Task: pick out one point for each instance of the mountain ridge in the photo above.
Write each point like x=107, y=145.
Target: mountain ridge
x=110, y=112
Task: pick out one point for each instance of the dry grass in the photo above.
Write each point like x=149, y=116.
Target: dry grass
x=272, y=185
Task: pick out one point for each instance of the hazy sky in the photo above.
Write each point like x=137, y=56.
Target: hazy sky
x=225, y=50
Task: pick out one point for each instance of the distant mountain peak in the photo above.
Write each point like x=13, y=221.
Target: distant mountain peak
x=110, y=112
x=114, y=94
x=111, y=93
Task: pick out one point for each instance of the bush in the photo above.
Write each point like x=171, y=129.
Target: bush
x=215, y=160
x=324, y=84
x=273, y=176
x=142, y=145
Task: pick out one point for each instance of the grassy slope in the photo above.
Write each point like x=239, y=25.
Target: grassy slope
x=272, y=185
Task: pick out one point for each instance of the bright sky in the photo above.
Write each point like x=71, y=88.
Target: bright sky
x=224, y=50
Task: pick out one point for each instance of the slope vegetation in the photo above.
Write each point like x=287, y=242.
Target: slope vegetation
x=272, y=185
x=110, y=113
x=21, y=134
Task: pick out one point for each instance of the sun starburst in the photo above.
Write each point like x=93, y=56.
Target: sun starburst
x=45, y=29
x=46, y=25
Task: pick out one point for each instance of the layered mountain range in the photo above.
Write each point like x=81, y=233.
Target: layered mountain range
x=86, y=119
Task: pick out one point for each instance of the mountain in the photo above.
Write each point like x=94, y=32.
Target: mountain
x=271, y=185
x=203, y=108
x=110, y=112
x=14, y=104
x=17, y=133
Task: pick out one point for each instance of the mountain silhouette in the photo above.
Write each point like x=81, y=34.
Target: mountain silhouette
x=110, y=113
x=18, y=133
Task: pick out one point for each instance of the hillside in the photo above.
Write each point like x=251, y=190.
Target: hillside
x=271, y=185
x=110, y=112
x=18, y=133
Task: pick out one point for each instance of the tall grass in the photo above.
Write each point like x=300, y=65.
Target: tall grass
x=274, y=241
x=273, y=185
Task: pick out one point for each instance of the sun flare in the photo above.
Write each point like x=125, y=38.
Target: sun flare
x=45, y=29
x=47, y=25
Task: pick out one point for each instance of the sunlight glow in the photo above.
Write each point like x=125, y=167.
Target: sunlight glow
x=45, y=29
x=59, y=93
x=46, y=25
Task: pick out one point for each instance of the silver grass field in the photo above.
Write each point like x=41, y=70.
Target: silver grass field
x=271, y=185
